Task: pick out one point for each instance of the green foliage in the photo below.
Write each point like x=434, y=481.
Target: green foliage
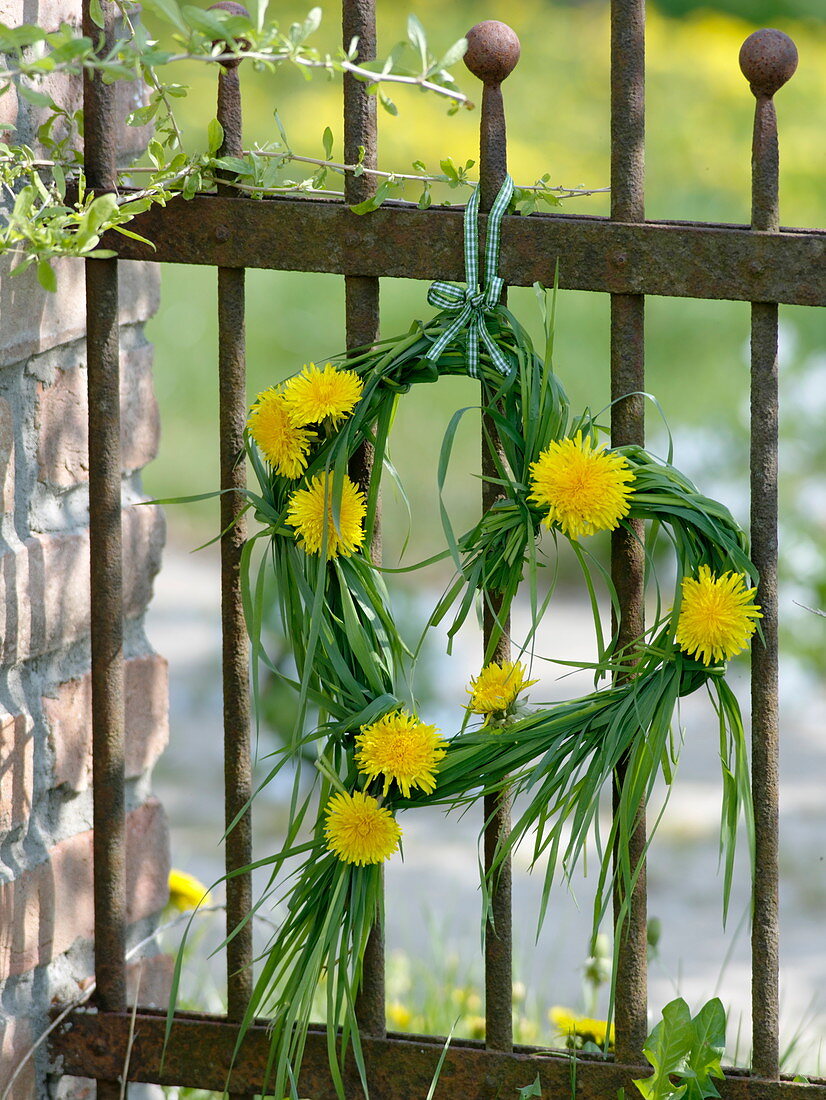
x=41, y=227
x=685, y=1053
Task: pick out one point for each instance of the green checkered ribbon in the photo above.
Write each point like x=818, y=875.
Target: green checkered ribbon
x=472, y=303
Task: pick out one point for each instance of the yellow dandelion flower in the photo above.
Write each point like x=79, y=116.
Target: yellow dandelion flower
x=311, y=513
x=581, y=1029
x=281, y=443
x=586, y=488
x=398, y=746
x=496, y=687
x=359, y=830
x=717, y=616
x=186, y=891
x=399, y=1016
x=322, y=393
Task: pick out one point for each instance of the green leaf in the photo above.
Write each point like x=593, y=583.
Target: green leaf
x=96, y=13
x=417, y=38
x=456, y=52
x=708, y=1044
x=234, y=164
x=533, y=1089
x=170, y=11
x=667, y=1049
x=375, y=200
x=327, y=141
x=215, y=135
x=46, y=276
x=388, y=104
x=37, y=99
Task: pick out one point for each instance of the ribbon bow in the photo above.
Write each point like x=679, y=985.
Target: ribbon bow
x=472, y=303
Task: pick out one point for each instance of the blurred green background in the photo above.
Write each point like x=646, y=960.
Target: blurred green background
x=699, y=119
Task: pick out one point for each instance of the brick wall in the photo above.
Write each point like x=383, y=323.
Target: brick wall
x=46, y=914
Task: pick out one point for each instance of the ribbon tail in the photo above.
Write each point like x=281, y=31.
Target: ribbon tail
x=495, y=352
x=450, y=333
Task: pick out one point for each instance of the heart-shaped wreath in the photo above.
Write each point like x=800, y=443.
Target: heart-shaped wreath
x=375, y=755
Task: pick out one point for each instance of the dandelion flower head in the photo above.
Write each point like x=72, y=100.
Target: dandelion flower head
x=359, y=830
x=585, y=488
x=496, y=687
x=716, y=616
x=186, y=891
x=322, y=393
x=281, y=443
x=580, y=1029
x=311, y=513
x=399, y=747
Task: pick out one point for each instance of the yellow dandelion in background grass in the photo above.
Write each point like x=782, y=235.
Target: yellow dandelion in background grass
x=717, y=616
x=580, y=1029
x=311, y=513
x=399, y=1016
x=497, y=686
x=322, y=393
x=359, y=830
x=186, y=891
x=400, y=747
x=585, y=488
x=281, y=443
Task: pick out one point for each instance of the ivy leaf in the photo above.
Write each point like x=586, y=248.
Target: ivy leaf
x=46, y=276
x=215, y=135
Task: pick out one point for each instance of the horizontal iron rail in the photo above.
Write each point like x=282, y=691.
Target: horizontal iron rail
x=199, y=1053
x=673, y=259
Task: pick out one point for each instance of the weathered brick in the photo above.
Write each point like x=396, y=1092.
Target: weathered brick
x=9, y=106
x=63, y=433
x=45, y=909
x=149, y=981
x=6, y=457
x=33, y=320
x=16, y=1038
x=50, y=13
x=146, y=700
x=16, y=769
x=44, y=598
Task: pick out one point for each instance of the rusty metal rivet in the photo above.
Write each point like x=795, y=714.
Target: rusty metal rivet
x=221, y=234
x=620, y=258
x=492, y=51
x=233, y=9
x=768, y=58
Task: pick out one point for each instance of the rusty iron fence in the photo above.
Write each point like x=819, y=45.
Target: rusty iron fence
x=622, y=255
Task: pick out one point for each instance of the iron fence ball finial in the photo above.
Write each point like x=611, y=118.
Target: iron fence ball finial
x=768, y=59
x=232, y=8
x=492, y=51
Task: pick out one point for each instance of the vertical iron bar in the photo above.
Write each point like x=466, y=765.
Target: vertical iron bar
x=232, y=413
x=493, y=51
x=768, y=59
x=361, y=309
x=628, y=426
x=106, y=557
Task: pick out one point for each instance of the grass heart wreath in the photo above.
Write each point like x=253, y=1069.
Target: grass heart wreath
x=376, y=755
